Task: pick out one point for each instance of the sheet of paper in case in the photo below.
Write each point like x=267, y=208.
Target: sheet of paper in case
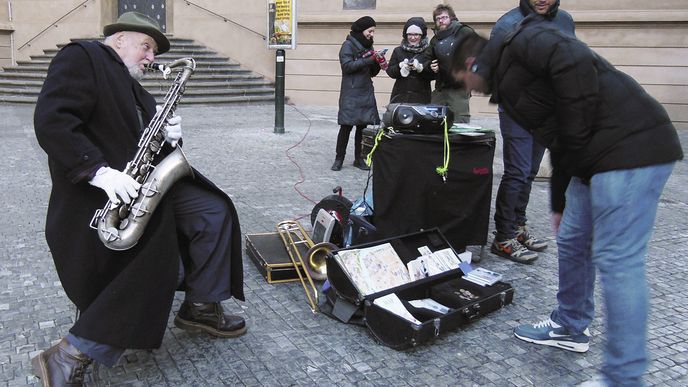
x=374, y=269
x=392, y=303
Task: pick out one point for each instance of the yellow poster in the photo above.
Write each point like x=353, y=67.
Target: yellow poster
x=282, y=24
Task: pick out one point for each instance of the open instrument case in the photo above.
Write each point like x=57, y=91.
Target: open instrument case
x=466, y=300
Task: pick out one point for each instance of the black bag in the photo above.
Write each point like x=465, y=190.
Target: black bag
x=362, y=229
x=467, y=301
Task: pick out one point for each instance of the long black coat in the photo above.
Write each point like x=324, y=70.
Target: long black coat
x=357, y=104
x=85, y=116
x=593, y=117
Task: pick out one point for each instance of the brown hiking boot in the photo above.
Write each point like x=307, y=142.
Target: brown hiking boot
x=61, y=365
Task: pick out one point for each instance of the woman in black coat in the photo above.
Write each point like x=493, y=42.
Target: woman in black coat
x=357, y=106
x=409, y=65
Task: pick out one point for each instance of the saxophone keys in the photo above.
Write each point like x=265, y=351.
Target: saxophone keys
x=138, y=210
x=149, y=189
x=109, y=234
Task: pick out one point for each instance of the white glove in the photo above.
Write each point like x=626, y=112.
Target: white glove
x=417, y=65
x=173, y=128
x=404, y=66
x=116, y=184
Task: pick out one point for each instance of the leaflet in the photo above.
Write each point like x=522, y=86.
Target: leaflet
x=393, y=304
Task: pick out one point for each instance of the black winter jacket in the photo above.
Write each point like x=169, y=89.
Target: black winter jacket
x=441, y=49
x=414, y=88
x=591, y=116
x=357, y=105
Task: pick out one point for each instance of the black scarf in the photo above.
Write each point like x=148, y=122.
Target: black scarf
x=367, y=43
x=451, y=30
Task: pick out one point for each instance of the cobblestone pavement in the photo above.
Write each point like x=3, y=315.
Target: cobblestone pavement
x=286, y=344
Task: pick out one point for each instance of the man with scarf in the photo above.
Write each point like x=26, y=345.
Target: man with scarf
x=357, y=105
x=522, y=155
x=448, y=31
x=409, y=66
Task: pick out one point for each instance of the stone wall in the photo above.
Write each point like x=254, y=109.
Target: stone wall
x=646, y=39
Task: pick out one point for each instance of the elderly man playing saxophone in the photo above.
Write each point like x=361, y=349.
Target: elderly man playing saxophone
x=88, y=119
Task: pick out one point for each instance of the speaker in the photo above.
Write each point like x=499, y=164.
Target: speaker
x=417, y=118
x=323, y=226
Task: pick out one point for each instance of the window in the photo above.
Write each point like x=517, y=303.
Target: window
x=359, y=4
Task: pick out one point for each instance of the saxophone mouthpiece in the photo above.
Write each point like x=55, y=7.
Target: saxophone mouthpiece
x=154, y=66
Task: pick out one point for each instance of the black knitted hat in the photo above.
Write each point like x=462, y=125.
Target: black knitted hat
x=363, y=24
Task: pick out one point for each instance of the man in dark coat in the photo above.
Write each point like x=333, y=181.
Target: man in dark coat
x=448, y=31
x=522, y=154
x=619, y=146
x=88, y=119
x=409, y=65
x=357, y=105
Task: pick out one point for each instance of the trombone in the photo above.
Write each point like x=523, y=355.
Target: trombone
x=295, y=239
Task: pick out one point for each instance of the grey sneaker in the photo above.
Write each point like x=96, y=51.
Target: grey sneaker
x=528, y=240
x=513, y=250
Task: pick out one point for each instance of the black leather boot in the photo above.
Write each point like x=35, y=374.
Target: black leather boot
x=61, y=365
x=337, y=165
x=360, y=164
x=209, y=318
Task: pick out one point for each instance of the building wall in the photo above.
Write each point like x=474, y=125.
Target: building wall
x=646, y=39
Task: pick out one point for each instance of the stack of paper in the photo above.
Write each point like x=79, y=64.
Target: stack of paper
x=483, y=277
x=433, y=263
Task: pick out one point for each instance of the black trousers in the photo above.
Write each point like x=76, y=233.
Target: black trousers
x=204, y=229
x=343, y=141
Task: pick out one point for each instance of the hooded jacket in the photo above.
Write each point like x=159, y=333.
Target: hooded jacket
x=414, y=88
x=508, y=23
x=591, y=116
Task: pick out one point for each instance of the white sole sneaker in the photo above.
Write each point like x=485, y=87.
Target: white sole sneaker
x=563, y=344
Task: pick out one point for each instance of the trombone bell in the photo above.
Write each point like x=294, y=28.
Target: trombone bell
x=317, y=255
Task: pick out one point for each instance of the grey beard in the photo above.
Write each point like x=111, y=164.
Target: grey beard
x=135, y=72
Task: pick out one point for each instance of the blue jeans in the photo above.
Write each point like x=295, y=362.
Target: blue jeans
x=102, y=353
x=522, y=157
x=606, y=226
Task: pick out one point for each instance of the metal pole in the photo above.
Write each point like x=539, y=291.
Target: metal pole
x=279, y=91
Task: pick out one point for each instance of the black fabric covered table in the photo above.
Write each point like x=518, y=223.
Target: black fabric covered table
x=409, y=195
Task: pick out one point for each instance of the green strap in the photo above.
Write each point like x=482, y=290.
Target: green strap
x=442, y=171
x=378, y=137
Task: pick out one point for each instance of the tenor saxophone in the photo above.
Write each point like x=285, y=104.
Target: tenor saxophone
x=121, y=225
